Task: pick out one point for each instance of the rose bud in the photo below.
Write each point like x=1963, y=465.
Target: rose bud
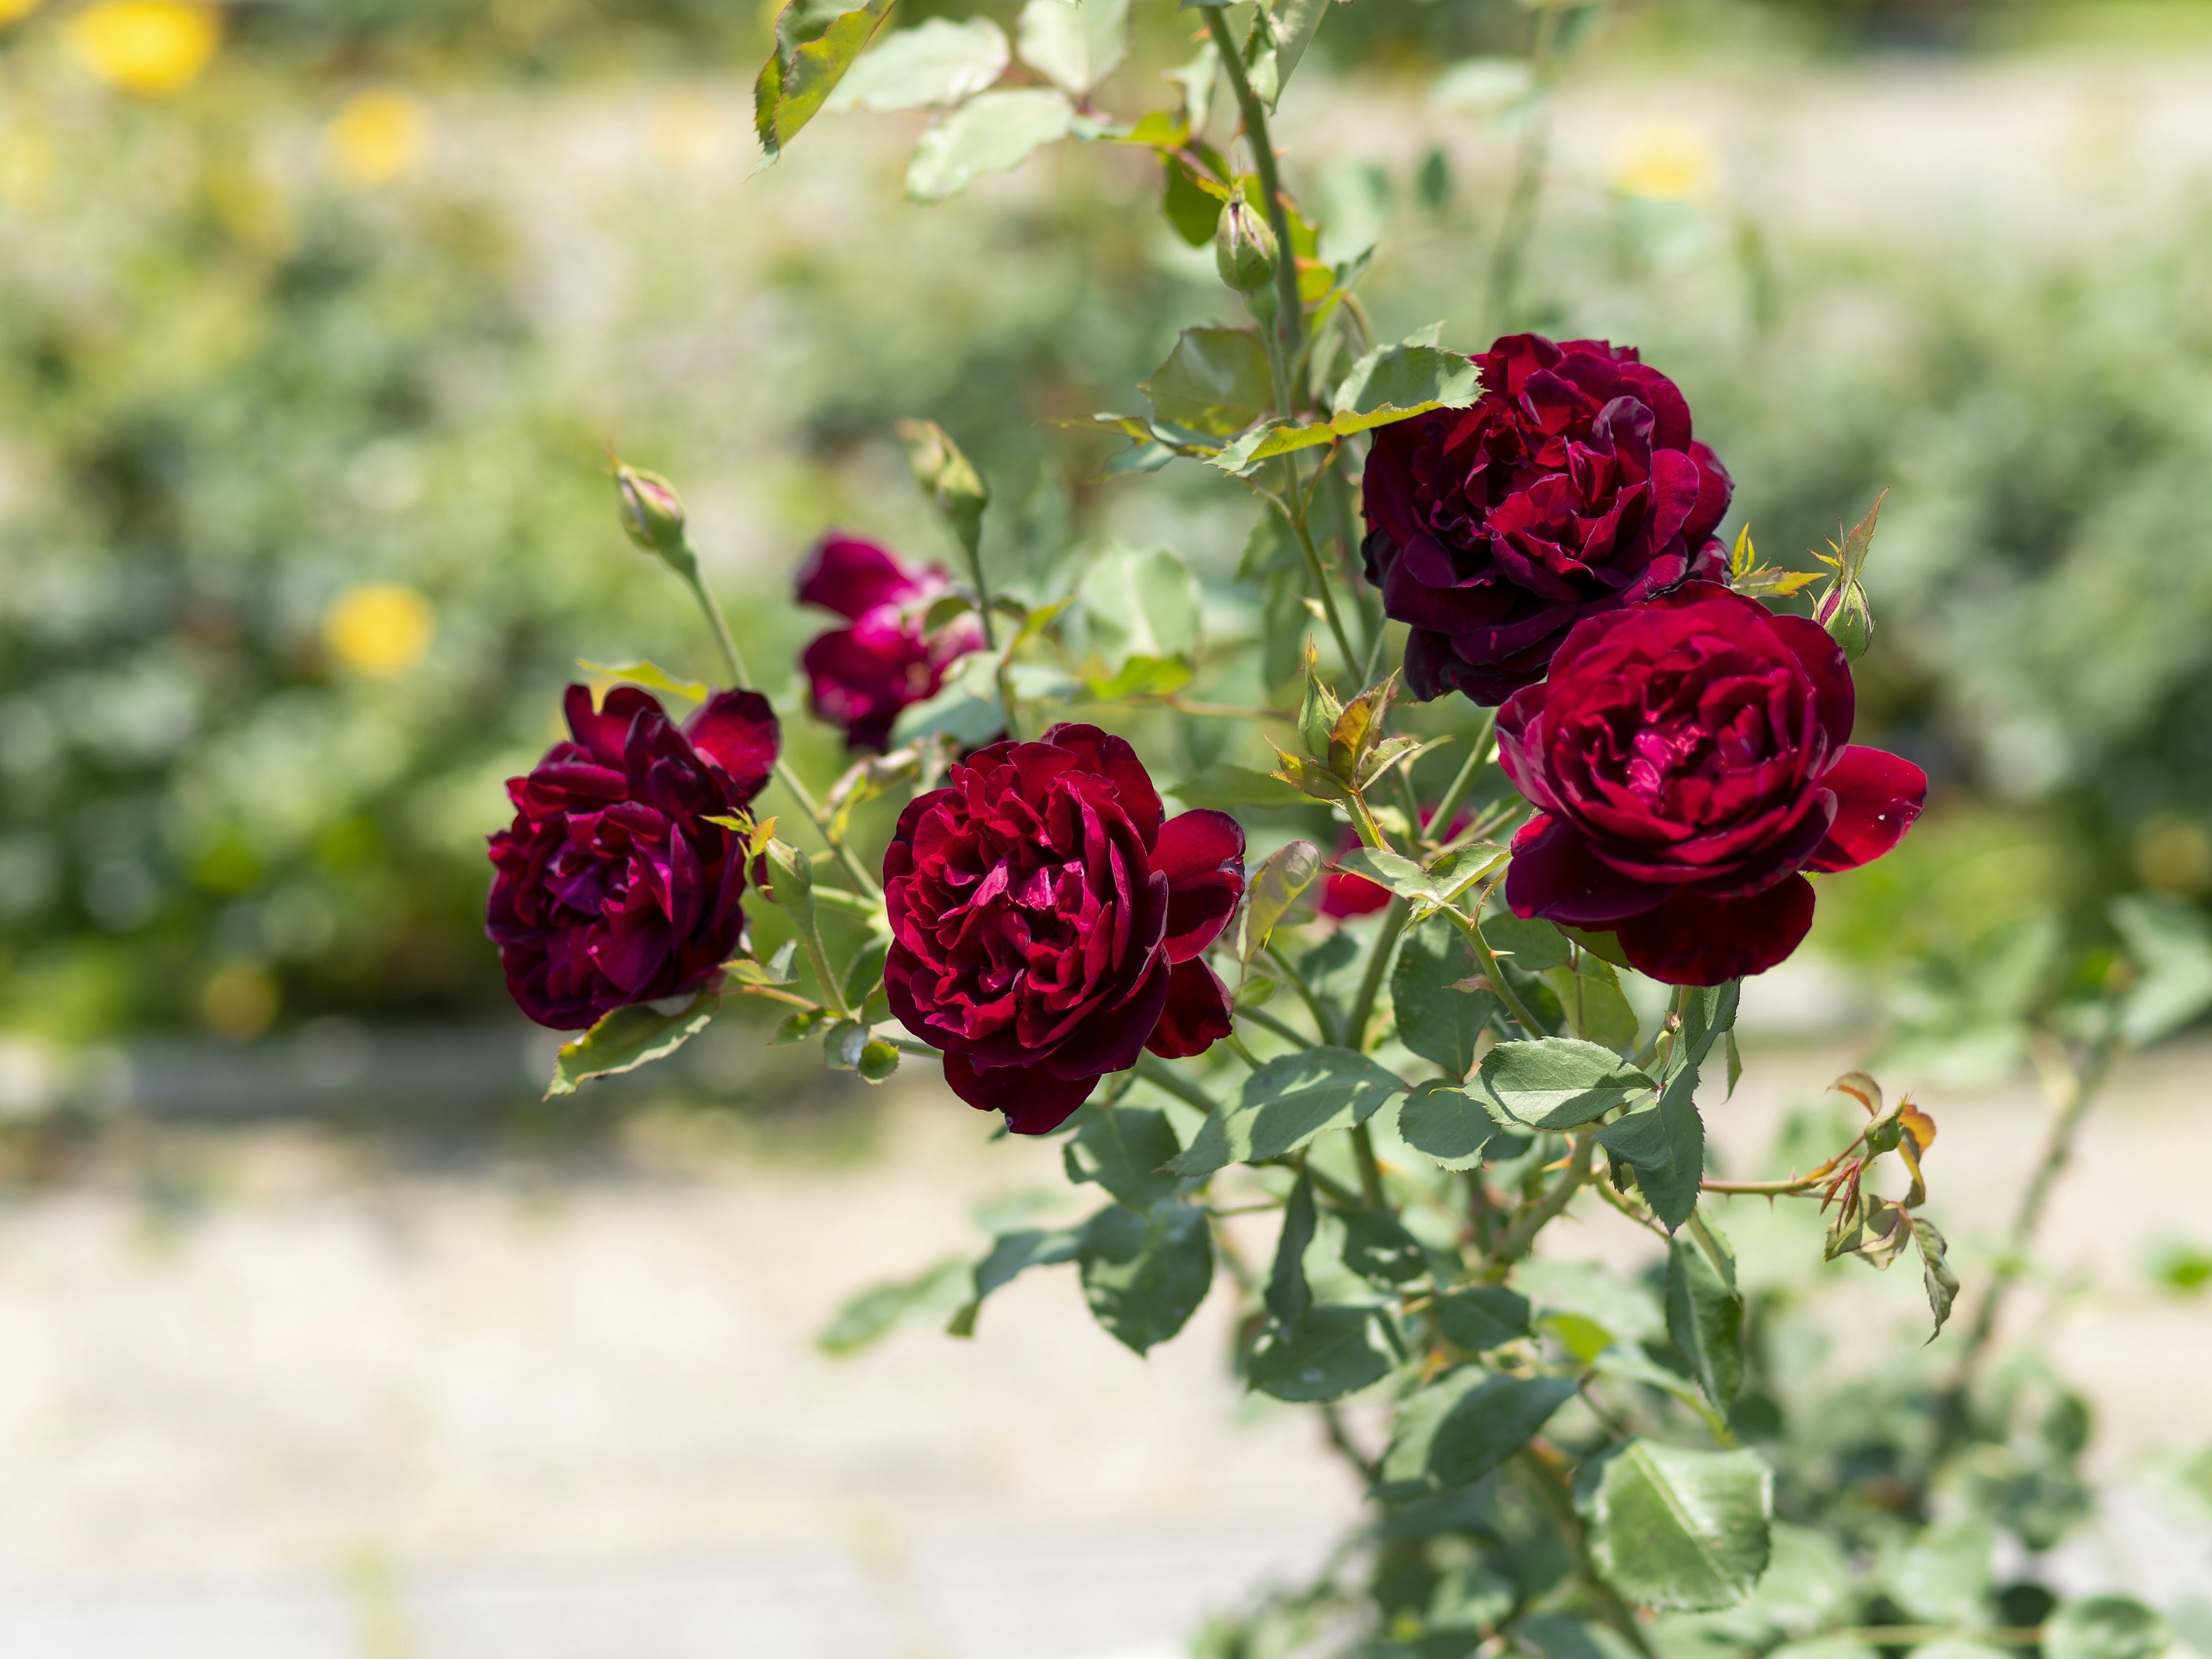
x=862, y=675
x=652, y=511
x=1688, y=759
x=1245, y=250
x=1572, y=488
x=610, y=887
x=1048, y=927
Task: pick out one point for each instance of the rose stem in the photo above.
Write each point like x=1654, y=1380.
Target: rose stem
x=1306, y=994
x=1550, y=1488
x=689, y=570
x=1370, y=982
x=1290, y=318
x=1371, y=1169
x=1283, y=1029
x=1572, y=1180
x=1161, y=1075
x=1529, y=1025
x=1440, y=819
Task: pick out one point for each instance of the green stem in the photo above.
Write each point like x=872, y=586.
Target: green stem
x=1161, y=1075
x=1572, y=1180
x=1318, y=574
x=1307, y=995
x=1439, y=819
x=1290, y=321
x=1370, y=982
x=1371, y=1169
x=1529, y=1025
x=1281, y=1028
x=734, y=664
x=1550, y=1488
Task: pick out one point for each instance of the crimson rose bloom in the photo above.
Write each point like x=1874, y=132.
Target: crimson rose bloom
x=862, y=675
x=1571, y=488
x=1047, y=925
x=1687, y=758
x=610, y=887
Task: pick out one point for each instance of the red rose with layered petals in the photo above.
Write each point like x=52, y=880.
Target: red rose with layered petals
x=1047, y=924
x=1571, y=488
x=862, y=675
x=1688, y=758
x=610, y=887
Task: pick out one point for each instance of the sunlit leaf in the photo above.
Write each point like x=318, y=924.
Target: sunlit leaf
x=1286, y=1103
x=1215, y=380
x=994, y=132
x=816, y=42
x=1074, y=43
x=1677, y=1529
x=652, y=676
x=935, y=63
x=628, y=1038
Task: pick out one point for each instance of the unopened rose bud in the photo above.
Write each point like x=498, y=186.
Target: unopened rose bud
x=1244, y=249
x=652, y=511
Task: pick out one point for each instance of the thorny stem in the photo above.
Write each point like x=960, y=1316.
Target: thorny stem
x=1370, y=982
x=734, y=664
x=1529, y=1025
x=1318, y=572
x=1307, y=995
x=1547, y=1209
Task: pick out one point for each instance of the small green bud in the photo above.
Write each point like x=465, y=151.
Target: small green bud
x=1244, y=251
x=652, y=511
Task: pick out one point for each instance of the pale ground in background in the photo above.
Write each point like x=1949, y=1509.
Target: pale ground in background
x=339, y=1409
x=342, y=1410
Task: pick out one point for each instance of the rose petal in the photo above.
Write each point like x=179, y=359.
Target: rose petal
x=1554, y=875
x=1101, y=752
x=737, y=731
x=1034, y=1104
x=1197, y=1014
x=1201, y=852
x=849, y=576
x=1695, y=939
x=1878, y=795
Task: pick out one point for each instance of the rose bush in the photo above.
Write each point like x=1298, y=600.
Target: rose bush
x=1572, y=487
x=861, y=675
x=610, y=887
x=1048, y=921
x=1688, y=759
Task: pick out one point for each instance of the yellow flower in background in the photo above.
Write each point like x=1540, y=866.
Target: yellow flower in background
x=146, y=46
x=1666, y=162
x=377, y=137
x=688, y=133
x=12, y=9
x=380, y=627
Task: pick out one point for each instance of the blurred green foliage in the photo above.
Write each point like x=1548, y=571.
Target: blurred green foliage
x=307, y=372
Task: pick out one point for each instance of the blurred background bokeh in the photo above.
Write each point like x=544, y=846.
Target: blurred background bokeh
x=317, y=321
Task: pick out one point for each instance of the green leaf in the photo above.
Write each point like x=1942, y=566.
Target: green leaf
x=2172, y=945
x=1190, y=210
x=877, y=1060
x=1221, y=785
x=1075, y=44
x=2105, y=1628
x=1286, y=1103
x=1666, y=1146
x=1556, y=1636
x=1292, y=24
x=1289, y=1297
x=816, y=42
x=1445, y=1124
x=1605, y=947
x=1943, y=1573
x=1333, y=1351
x=954, y=712
x=1268, y=895
x=1705, y=1316
x=1557, y=1083
x=1142, y=605
x=1623, y=1309
x=1707, y=1012
x=1436, y=1020
x=1392, y=870
x=628, y=1038
x=1943, y=1284
x=877, y=1311
x=1215, y=381
x=1140, y=676
x=1482, y=1318
x=1122, y=1148
x=994, y=132
x=933, y=64
x=1482, y=85
x=1263, y=443
x=864, y=974
x=1531, y=943
x=948, y=477
x=1012, y=1254
x=1680, y=1530
x=650, y=675
x=1377, y=1247
x=1460, y=1428
x=1590, y=994
x=1144, y=1274
x=1396, y=382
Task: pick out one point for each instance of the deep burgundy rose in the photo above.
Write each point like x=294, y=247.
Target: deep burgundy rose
x=610, y=887
x=862, y=675
x=1688, y=759
x=1047, y=925
x=1572, y=488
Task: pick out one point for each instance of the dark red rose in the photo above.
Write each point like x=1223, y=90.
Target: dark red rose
x=1688, y=759
x=1571, y=488
x=1047, y=925
x=1343, y=894
x=610, y=887
x=862, y=675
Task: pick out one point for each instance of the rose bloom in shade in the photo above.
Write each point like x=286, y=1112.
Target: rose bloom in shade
x=1047, y=922
x=1688, y=759
x=610, y=887
x=1572, y=488
x=863, y=675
